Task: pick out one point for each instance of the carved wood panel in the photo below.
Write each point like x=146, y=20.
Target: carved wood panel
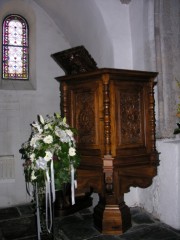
x=84, y=111
x=85, y=116
x=130, y=114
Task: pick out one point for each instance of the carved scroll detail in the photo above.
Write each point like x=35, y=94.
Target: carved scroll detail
x=63, y=90
x=130, y=114
x=86, y=117
x=152, y=114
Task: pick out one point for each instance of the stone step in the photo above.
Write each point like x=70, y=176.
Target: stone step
x=17, y=222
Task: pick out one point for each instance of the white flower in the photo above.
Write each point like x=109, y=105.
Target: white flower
x=69, y=132
x=48, y=139
x=32, y=157
x=41, y=163
x=72, y=151
x=33, y=141
x=62, y=135
x=46, y=126
x=33, y=177
x=63, y=123
x=37, y=126
x=48, y=156
x=41, y=119
x=57, y=131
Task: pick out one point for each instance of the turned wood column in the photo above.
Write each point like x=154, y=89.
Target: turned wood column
x=111, y=215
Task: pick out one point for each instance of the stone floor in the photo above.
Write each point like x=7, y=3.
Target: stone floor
x=19, y=223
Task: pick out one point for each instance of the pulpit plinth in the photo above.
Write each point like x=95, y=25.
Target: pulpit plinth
x=113, y=111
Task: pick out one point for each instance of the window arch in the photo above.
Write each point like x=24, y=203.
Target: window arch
x=15, y=48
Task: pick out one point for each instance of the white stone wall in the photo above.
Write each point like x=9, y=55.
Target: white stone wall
x=117, y=35
x=162, y=199
x=117, y=22
x=82, y=24
x=141, y=14
x=19, y=108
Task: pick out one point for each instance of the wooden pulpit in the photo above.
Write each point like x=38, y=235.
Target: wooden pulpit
x=113, y=111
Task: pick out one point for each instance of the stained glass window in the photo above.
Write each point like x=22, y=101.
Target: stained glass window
x=15, y=48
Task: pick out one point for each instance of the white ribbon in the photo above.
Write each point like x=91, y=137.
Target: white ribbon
x=37, y=213
x=52, y=182
x=48, y=203
x=73, y=185
x=50, y=197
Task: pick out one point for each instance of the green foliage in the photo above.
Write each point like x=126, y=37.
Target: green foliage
x=51, y=143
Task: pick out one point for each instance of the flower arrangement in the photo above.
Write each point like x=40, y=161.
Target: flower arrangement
x=50, y=162
x=51, y=142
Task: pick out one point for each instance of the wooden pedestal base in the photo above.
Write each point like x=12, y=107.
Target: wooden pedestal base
x=112, y=219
